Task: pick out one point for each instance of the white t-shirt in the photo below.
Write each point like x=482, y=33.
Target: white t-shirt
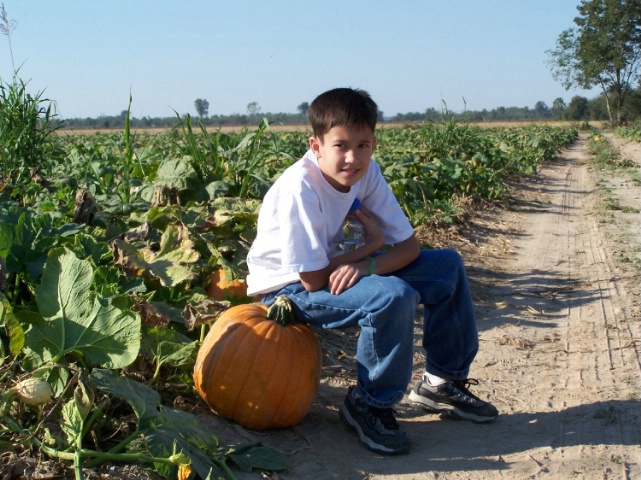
x=301, y=216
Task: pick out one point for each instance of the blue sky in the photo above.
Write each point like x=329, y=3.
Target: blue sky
x=409, y=54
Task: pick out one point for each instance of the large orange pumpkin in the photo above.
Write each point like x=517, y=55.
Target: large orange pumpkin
x=258, y=366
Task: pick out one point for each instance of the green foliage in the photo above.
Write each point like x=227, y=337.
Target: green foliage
x=26, y=143
x=630, y=132
x=25, y=240
x=73, y=321
x=228, y=164
x=607, y=156
x=578, y=109
x=429, y=167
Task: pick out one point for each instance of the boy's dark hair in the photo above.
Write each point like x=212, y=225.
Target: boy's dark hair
x=345, y=107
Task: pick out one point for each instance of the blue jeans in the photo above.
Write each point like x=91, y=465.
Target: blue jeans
x=384, y=306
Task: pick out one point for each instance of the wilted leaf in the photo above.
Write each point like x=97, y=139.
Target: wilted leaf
x=168, y=264
x=149, y=314
x=205, y=312
x=140, y=233
x=176, y=245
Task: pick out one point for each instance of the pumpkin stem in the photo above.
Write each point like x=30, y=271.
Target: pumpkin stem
x=282, y=311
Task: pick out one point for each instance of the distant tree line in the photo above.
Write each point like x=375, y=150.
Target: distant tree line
x=118, y=121
x=579, y=109
x=252, y=117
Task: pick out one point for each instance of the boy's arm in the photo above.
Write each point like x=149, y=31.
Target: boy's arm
x=397, y=257
x=374, y=241
x=344, y=270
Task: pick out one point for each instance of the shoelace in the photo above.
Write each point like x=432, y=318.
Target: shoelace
x=463, y=386
x=386, y=417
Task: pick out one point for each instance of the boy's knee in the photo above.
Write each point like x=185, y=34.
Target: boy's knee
x=397, y=290
x=451, y=258
x=453, y=255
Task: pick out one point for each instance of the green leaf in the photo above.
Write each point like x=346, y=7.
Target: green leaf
x=88, y=246
x=104, y=332
x=176, y=173
x=143, y=400
x=12, y=325
x=168, y=348
x=72, y=422
x=175, y=354
x=186, y=433
x=256, y=457
x=179, y=174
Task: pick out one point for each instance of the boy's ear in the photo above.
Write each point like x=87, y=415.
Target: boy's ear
x=314, y=144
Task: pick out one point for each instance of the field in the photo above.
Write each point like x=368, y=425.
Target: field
x=138, y=223
x=305, y=128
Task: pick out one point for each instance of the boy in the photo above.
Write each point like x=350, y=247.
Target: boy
x=379, y=291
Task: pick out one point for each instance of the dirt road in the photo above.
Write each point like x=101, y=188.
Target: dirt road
x=555, y=278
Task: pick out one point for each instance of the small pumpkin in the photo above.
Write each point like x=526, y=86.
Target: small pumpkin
x=220, y=287
x=33, y=391
x=258, y=366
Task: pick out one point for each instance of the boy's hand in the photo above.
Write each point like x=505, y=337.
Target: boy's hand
x=347, y=275
x=345, y=269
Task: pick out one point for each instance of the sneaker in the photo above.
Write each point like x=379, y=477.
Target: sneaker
x=376, y=427
x=453, y=398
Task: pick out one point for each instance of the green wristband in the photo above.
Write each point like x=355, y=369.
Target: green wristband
x=372, y=265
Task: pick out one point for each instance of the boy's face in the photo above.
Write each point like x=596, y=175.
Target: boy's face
x=344, y=155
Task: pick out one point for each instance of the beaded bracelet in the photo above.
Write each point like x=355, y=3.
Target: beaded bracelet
x=372, y=265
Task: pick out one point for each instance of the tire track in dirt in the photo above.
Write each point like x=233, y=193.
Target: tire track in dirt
x=584, y=352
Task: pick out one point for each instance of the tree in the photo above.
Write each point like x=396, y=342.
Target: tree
x=632, y=107
x=202, y=107
x=253, y=109
x=604, y=50
x=558, y=107
x=578, y=109
x=432, y=114
x=303, y=107
x=541, y=110
x=597, y=108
